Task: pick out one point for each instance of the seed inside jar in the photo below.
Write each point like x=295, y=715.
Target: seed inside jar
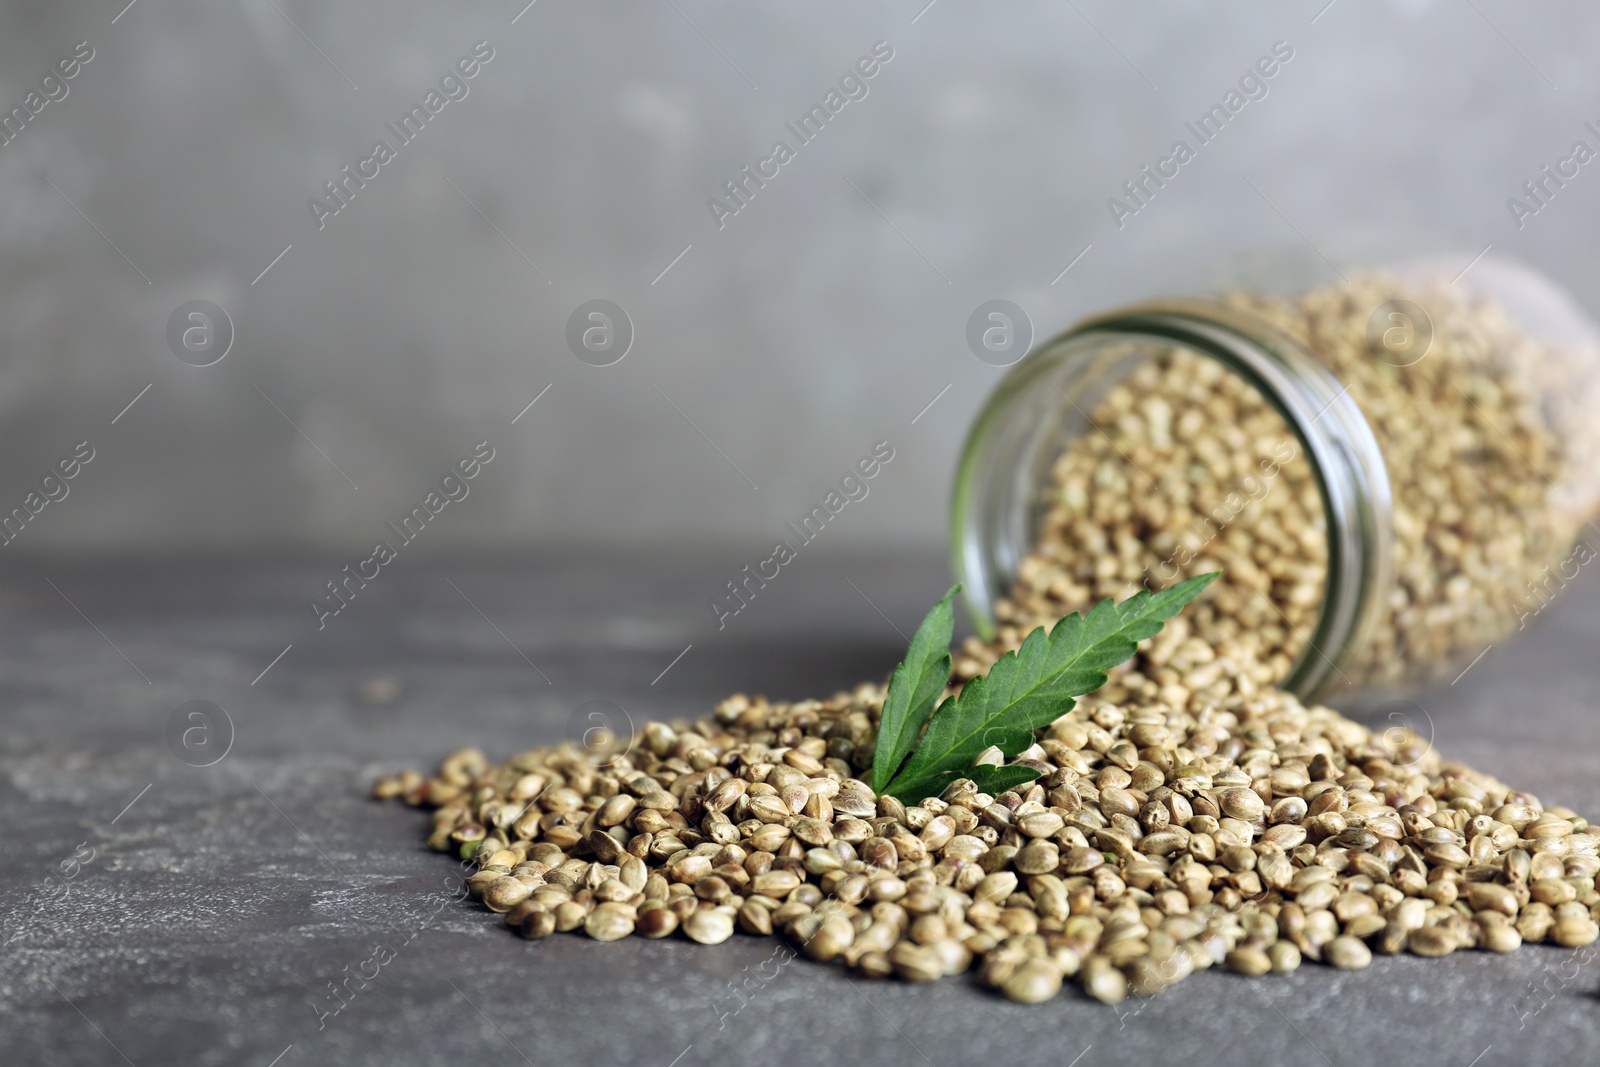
x=1186, y=468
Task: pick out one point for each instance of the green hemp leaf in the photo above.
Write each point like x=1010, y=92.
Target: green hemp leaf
x=1025, y=690
x=913, y=691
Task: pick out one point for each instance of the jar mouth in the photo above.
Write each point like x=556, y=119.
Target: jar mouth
x=1018, y=432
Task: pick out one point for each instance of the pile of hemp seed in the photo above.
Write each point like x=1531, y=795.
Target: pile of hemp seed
x=1189, y=815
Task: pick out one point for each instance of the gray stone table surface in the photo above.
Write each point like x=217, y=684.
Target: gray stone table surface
x=159, y=913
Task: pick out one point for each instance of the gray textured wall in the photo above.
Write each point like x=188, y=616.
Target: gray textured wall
x=821, y=318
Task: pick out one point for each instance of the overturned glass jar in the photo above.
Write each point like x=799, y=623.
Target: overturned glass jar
x=1396, y=471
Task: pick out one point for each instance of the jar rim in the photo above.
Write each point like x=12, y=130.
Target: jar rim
x=1346, y=462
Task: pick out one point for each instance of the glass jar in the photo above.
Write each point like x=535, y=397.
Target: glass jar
x=1396, y=471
